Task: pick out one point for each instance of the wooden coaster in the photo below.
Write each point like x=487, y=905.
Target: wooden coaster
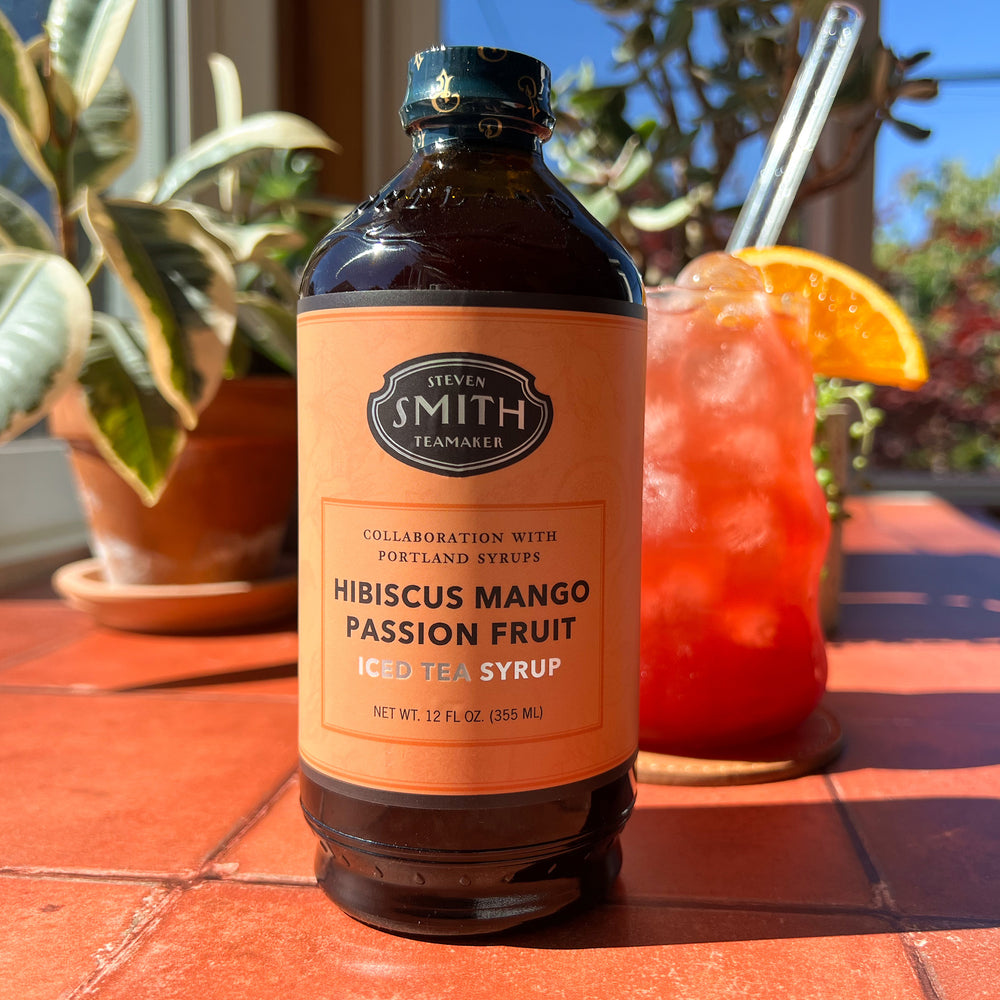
x=815, y=743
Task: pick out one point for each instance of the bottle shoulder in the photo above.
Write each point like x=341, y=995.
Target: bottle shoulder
x=486, y=223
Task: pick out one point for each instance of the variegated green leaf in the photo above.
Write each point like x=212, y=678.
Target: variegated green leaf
x=654, y=219
x=21, y=225
x=602, y=204
x=182, y=287
x=250, y=241
x=201, y=162
x=270, y=326
x=107, y=137
x=228, y=113
x=228, y=92
x=21, y=96
x=48, y=161
x=631, y=166
x=57, y=87
x=85, y=36
x=45, y=315
x=137, y=431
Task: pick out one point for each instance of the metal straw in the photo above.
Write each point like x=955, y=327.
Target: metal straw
x=798, y=128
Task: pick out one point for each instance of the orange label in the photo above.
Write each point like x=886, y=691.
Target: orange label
x=470, y=533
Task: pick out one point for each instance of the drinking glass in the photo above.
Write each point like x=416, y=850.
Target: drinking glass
x=735, y=525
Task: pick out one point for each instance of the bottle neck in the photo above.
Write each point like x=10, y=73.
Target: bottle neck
x=485, y=135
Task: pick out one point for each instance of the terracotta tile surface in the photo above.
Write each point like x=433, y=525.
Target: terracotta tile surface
x=919, y=570
x=112, y=660
x=964, y=961
x=920, y=523
x=28, y=628
x=276, y=941
x=57, y=933
x=135, y=782
x=152, y=845
x=869, y=669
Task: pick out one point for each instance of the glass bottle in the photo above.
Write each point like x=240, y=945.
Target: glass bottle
x=471, y=387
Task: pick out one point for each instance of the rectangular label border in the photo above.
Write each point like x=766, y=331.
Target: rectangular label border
x=600, y=505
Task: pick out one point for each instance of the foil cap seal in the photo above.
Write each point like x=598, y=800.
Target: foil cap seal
x=494, y=85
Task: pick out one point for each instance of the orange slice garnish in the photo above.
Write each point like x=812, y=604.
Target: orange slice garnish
x=856, y=329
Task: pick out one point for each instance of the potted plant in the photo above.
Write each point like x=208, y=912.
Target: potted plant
x=208, y=295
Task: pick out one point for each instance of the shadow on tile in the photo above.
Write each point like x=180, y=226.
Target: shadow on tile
x=264, y=673
x=936, y=857
x=895, y=597
x=912, y=732
x=609, y=926
x=770, y=855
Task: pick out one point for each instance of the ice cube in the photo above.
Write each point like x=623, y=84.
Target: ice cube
x=748, y=452
x=686, y=587
x=664, y=429
x=719, y=272
x=747, y=311
x=745, y=524
x=725, y=374
x=668, y=502
x=752, y=624
x=671, y=314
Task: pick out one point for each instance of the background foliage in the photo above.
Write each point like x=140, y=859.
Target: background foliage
x=663, y=154
x=949, y=284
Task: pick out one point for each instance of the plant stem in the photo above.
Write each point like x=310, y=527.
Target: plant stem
x=63, y=172
x=68, y=243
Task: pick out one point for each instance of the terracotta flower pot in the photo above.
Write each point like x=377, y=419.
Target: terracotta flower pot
x=225, y=511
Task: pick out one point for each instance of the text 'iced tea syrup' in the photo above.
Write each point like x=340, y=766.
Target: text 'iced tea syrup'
x=471, y=366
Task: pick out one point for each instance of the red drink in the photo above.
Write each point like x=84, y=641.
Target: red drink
x=734, y=525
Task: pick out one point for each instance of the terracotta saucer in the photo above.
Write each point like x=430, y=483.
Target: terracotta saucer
x=812, y=745
x=179, y=608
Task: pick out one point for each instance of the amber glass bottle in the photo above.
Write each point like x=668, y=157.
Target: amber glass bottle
x=471, y=379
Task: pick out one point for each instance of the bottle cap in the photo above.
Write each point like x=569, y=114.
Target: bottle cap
x=493, y=85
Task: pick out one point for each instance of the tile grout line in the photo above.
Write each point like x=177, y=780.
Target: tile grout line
x=915, y=923
x=882, y=894
x=164, y=895
x=112, y=876
x=166, y=880
x=35, y=652
x=93, y=690
x=922, y=967
x=144, y=923
x=211, y=867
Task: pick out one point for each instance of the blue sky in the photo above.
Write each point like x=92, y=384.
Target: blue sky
x=961, y=35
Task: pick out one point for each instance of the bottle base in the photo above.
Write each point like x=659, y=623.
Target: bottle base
x=459, y=898
x=441, y=866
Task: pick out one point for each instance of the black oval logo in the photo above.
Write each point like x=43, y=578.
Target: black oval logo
x=459, y=414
